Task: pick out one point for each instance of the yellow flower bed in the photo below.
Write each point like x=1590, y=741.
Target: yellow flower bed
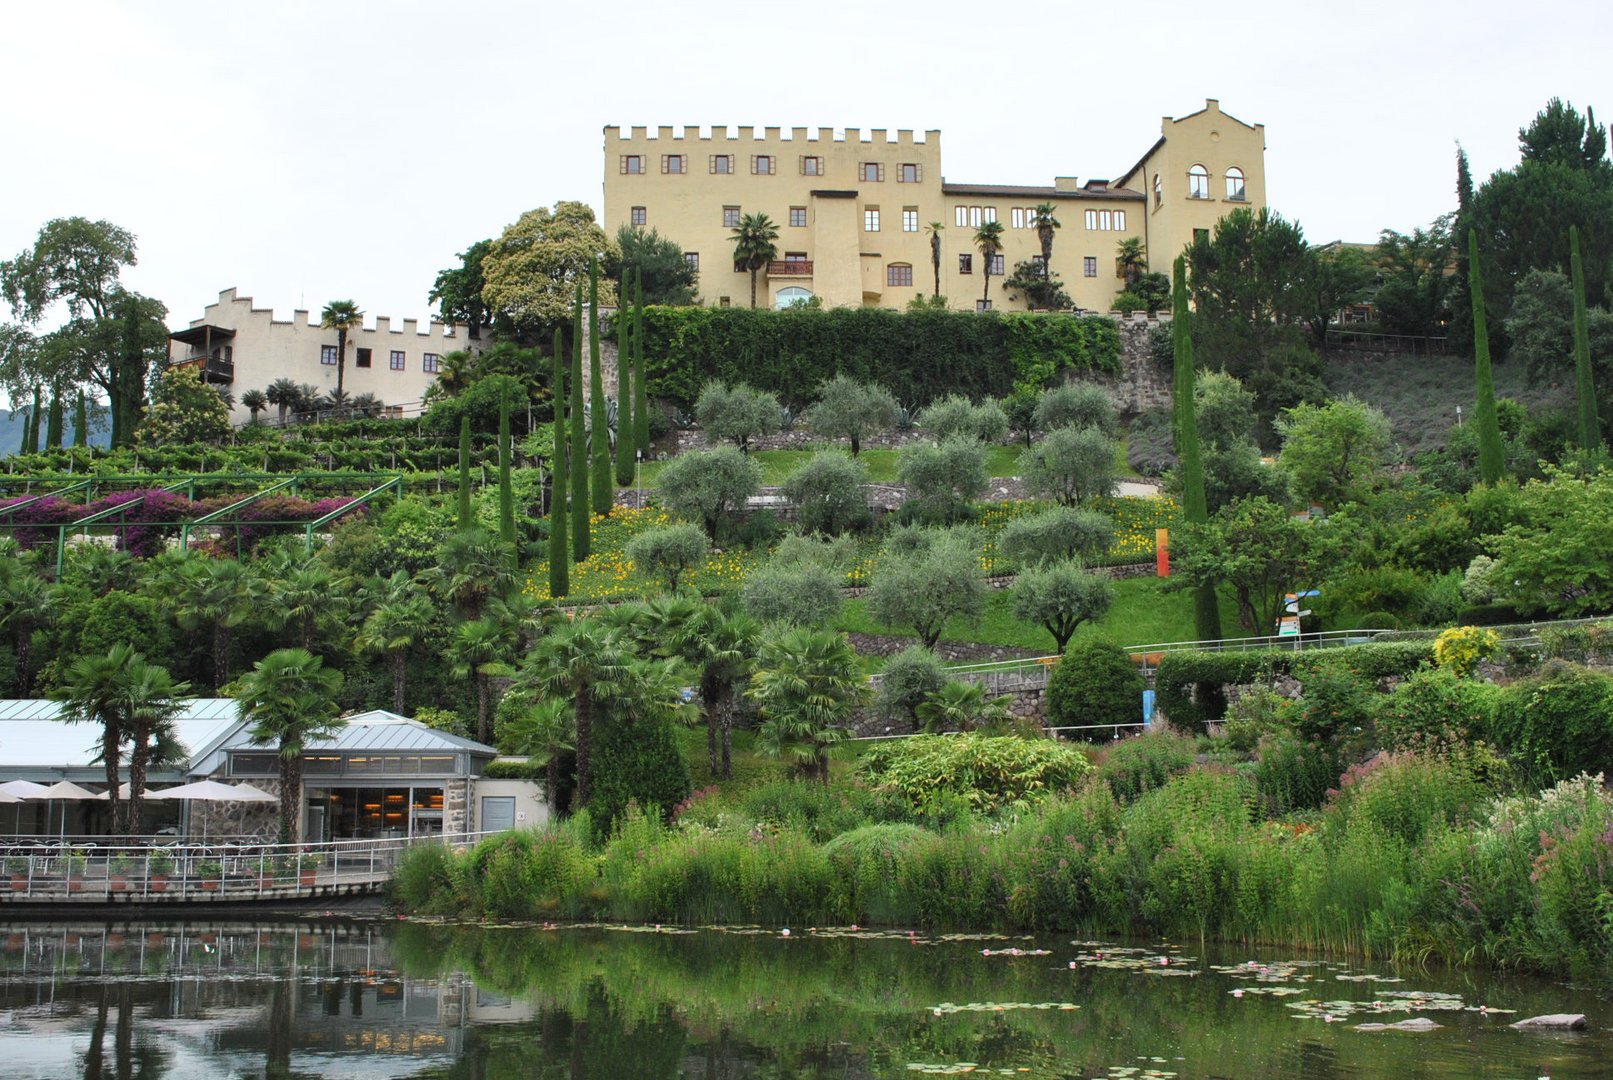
x=1135, y=520
x=608, y=574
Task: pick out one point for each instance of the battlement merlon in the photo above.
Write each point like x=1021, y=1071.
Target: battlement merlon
x=235, y=311
x=930, y=137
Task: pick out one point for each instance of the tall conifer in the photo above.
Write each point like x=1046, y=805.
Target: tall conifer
x=30, y=434
x=559, y=555
x=53, y=423
x=506, y=494
x=641, y=395
x=81, y=422
x=1492, y=458
x=1590, y=428
x=604, y=494
x=465, y=518
x=625, y=427
x=580, y=540
x=1206, y=606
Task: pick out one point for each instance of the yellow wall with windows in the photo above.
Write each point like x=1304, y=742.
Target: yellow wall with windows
x=822, y=192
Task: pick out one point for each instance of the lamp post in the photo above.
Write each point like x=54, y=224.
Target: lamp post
x=638, y=482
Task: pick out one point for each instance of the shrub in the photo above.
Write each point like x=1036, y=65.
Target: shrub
x=1378, y=620
x=867, y=865
x=829, y=491
x=709, y=487
x=1558, y=723
x=1070, y=466
x=1378, y=589
x=1135, y=766
x=1094, y=684
x=988, y=771
x=1335, y=702
x=1434, y=709
x=956, y=417
x=853, y=410
x=1076, y=405
x=738, y=413
x=800, y=594
x=1463, y=648
x=669, y=551
x=909, y=678
x=636, y=760
x=424, y=879
x=1060, y=533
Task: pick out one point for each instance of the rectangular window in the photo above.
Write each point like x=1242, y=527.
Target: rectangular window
x=997, y=265
x=1089, y=266
x=795, y=258
x=910, y=219
x=966, y=264
x=1120, y=220
x=762, y=164
x=397, y=362
x=871, y=172
x=722, y=164
x=691, y=259
x=1091, y=220
x=871, y=219
x=633, y=163
x=498, y=813
x=974, y=217
x=899, y=275
x=1106, y=220
x=982, y=305
x=640, y=216
x=430, y=363
x=811, y=166
x=960, y=216
x=798, y=217
x=907, y=174
x=674, y=163
x=1030, y=217
x=327, y=355
x=1017, y=217
x=730, y=217
x=363, y=358
x=988, y=213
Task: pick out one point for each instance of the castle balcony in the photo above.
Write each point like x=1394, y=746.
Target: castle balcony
x=208, y=350
x=790, y=268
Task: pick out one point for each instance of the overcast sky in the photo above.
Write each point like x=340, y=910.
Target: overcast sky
x=310, y=151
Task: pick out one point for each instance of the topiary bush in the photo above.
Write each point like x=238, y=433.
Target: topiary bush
x=1094, y=684
x=635, y=761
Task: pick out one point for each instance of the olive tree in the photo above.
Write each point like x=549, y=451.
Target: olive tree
x=1061, y=532
x=801, y=594
x=849, y=409
x=942, y=479
x=829, y=491
x=955, y=416
x=1070, y=466
x=1075, y=405
x=910, y=678
x=669, y=551
x=1059, y=597
x=926, y=588
x=709, y=486
x=740, y=413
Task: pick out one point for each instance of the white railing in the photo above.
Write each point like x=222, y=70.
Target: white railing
x=199, y=870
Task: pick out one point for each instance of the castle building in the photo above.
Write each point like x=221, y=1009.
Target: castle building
x=856, y=214
x=241, y=347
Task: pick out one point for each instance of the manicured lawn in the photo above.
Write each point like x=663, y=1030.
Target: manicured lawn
x=777, y=465
x=1143, y=614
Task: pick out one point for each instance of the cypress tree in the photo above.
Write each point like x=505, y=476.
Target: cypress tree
x=53, y=423
x=641, y=398
x=1492, y=458
x=604, y=494
x=559, y=562
x=30, y=434
x=580, y=540
x=1206, y=606
x=81, y=422
x=506, y=496
x=1590, y=428
x=626, y=430
x=465, y=519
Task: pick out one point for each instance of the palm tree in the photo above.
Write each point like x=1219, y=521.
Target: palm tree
x=289, y=698
x=92, y=692
x=586, y=662
x=341, y=316
x=306, y=596
x=541, y=729
x=101, y=569
x=720, y=649
x=153, y=701
x=989, y=239
x=255, y=401
x=1131, y=259
x=472, y=566
x=483, y=651
x=1044, y=222
x=962, y=706
x=26, y=603
x=285, y=395
x=808, y=684
x=755, y=246
x=216, y=594
x=934, y=229
x=400, y=620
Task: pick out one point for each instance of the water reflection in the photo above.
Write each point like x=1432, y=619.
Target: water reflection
x=389, y=999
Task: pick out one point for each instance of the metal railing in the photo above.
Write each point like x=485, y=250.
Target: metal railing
x=202, y=870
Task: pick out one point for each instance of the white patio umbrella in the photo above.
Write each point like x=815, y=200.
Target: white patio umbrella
x=19, y=791
x=213, y=791
x=62, y=791
x=7, y=797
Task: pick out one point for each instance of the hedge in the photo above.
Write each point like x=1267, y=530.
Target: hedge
x=1179, y=672
x=918, y=356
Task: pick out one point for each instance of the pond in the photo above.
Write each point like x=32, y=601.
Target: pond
x=392, y=998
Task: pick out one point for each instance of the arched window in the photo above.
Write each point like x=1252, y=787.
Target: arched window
x=1235, y=184
x=792, y=296
x=1159, y=191
x=1198, y=182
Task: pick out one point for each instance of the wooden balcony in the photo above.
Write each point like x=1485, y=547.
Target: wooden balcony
x=790, y=268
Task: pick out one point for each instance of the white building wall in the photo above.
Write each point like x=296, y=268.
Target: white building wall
x=265, y=349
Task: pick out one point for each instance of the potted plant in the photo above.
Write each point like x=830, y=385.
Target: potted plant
x=307, y=868
x=159, y=864
x=211, y=872
x=17, y=868
x=117, y=873
x=76, y=865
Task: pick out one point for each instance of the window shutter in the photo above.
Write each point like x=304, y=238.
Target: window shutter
x=621, y=160
x=711, y=163
x=663, y=163
x=754, y=161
